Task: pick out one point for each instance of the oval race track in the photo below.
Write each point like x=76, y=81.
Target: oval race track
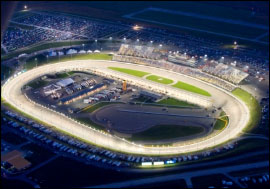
x=236, y=109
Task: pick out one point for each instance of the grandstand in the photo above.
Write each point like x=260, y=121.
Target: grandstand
x=182, y=59
x=144, y=55
x=226, y=72
x=139, y=51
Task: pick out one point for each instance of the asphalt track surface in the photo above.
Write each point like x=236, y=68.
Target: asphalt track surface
x=236, y=109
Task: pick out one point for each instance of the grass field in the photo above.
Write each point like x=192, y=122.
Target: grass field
x=92, y=108
x=191, y=88
x=202, y=24
x=175, y=102
x=90, y=123
x=159, y=79
x=163, y=132
x=41, y=59
x=220, y=124
x=64, y=75
x=129, y=71
x=253, y=106
x=37, y=84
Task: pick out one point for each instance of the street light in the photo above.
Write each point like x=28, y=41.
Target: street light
x=36, y=61
x=83, y=46
x=160, y=45
x=151, y=41
x=25, y=6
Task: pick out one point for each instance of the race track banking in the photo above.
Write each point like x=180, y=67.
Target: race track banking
x=236, y=109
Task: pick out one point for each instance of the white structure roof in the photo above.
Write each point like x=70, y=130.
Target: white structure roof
x=65, y=82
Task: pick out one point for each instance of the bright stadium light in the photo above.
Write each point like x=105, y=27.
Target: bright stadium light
x=25, y=6
x=160, y=45
x=235, y=43
x=136, y=27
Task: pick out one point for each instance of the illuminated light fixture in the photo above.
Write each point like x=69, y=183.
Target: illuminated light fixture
x=146, y=163
x=25, y=6
x=136, y=27
x=159, y=163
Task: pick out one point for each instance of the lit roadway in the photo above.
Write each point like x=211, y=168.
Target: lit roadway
x=239, y=113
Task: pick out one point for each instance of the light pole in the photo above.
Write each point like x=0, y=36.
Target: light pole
x=36, y=61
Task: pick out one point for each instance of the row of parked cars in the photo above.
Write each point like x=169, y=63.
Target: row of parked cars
x=77, y=148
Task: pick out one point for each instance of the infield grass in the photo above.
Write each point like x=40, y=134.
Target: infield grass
x=159, y=79
x=130, y=71
x=175, y=102
x=191, y=88
x=253, y=106
x=221, y=124
x=92, y=108
x=163, y=132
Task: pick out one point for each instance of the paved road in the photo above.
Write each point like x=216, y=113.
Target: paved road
x=186, y=175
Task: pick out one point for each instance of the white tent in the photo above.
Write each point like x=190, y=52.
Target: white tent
x=82, y=52
x=96, y=51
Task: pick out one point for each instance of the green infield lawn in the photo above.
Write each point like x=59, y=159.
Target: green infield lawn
x=159, y=79
x=64, y=75
x=38, y=84
x=220, y=124
x=191, y=88
x=175, y=102
x=130, y=72
x=163, y=132
x=253, y=106
x=41, y=59
x=90, y=123
x=92, y=108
